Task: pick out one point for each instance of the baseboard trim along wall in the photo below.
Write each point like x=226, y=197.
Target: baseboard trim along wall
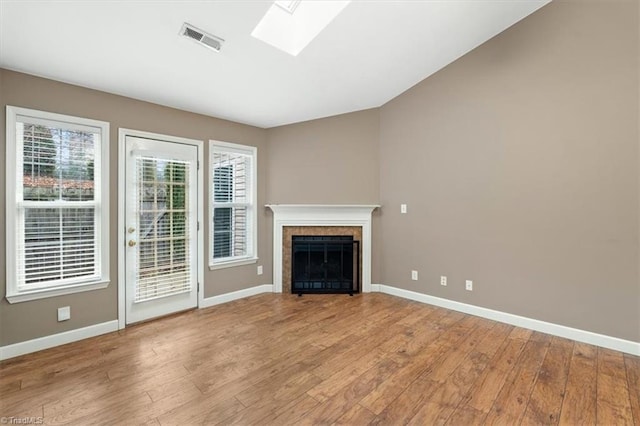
x=627, y=346
x=235, y=295
x=46, y=342
x=583, y=336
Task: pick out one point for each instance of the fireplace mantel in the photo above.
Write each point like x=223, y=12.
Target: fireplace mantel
x=321, y=215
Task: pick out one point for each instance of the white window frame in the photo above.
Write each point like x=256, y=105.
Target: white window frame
x=252, y=212
x=13, y=164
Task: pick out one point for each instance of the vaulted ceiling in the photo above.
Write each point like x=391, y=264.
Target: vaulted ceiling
x=370, y=53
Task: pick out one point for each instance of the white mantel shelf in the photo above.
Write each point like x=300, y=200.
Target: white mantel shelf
x=322, y=215
x=320, y=208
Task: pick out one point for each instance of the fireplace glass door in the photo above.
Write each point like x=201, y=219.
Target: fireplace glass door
x=325, y=264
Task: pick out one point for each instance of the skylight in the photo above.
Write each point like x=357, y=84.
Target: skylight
x=288, y=5
x=291, y=25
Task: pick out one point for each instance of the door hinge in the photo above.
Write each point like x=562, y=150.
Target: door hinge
x=198, y=228
x=198, y=164
x=198, y=287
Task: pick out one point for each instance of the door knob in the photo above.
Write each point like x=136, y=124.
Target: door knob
x=132, y=243
x=131, y=230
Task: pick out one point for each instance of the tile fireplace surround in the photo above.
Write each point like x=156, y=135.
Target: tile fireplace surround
x=290, y=231
x=314, y=215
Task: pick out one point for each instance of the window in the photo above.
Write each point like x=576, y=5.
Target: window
x=233, y=204
x=57, y=204
x=222, y=193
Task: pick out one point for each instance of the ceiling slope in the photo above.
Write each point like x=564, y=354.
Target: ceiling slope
x=369, y=54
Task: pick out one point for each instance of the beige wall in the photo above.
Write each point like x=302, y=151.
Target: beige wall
x=328, y=161
x=28, y=320
x=519, y=165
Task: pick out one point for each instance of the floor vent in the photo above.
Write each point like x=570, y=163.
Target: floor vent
x=207, y=40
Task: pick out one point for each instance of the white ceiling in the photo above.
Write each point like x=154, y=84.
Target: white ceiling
x=369, y=54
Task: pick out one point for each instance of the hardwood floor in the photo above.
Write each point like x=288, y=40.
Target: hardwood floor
x=279, y=359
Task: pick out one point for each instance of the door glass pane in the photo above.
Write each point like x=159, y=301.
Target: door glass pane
x=163, y=255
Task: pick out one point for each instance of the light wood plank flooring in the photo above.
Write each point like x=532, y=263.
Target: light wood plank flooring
x=334, y=359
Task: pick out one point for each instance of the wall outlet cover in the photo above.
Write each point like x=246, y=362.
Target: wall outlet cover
x=414, y=275
x=469, y=285
x=64, y=313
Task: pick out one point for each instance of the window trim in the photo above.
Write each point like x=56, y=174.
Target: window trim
x=252, y=257
x=13, y=294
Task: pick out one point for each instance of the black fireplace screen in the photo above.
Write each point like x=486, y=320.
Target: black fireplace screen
x=325, y=264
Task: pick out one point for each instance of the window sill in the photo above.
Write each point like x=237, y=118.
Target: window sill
x=233, y=263
x=46, y=293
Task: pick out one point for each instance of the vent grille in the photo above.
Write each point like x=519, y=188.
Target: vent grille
x=207, y=40
x=211, y=42
x=189, y=32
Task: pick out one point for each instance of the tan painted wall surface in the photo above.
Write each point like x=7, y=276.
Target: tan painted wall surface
x=28, y=320
x=519, y=164
x=328, y=161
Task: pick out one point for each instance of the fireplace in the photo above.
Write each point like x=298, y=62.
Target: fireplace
x=288, y=232
x=319, y=220
x=325, y=264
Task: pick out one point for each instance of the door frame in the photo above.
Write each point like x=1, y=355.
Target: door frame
x=122, y=134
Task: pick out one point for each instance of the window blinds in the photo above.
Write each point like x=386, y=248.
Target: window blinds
x=57, y=209
x=232, y=204
x=163, y=255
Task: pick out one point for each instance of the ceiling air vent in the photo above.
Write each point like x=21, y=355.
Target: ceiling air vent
x=207, y=40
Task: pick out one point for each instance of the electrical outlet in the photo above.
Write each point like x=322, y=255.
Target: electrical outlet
x=443, y=280
x=260, y=270
x=414, y=275
x=403, y=208
x=64, y=313
x=469, y=285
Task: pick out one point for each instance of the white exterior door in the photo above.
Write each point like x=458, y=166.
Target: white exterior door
x=161, y=235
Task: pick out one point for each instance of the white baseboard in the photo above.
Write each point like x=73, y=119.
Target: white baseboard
x=22, y=348
x=627, y=346
x=602, y=340
x=228, y=297
x=46, y=342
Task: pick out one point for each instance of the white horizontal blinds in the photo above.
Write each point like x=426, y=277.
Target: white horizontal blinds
x=222, y=216
x=58, y=211
x=232, y=204
x=163, y=255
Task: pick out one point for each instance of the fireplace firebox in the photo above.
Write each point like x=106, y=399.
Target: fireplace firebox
x=325, y=264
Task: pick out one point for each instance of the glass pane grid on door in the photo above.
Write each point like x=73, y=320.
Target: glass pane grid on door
x=163, y=261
